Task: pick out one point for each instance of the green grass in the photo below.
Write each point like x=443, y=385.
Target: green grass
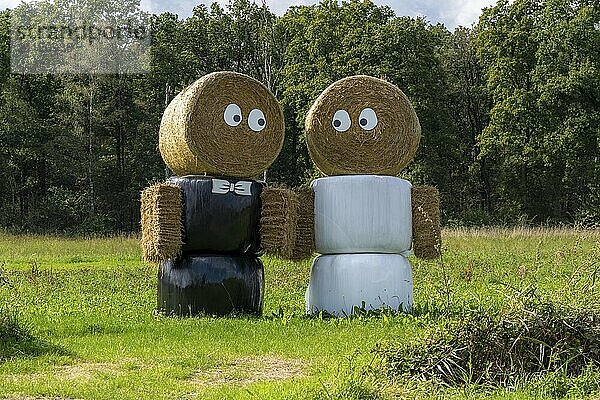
x=90, y=306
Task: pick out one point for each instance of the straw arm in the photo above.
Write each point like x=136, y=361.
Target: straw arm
x=287, y=222
x=427, y=239
x=161, y=212
x=305, y=229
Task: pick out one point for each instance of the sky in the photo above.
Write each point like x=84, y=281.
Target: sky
x=451, y=13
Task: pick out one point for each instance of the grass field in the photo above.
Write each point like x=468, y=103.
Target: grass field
x=90, y=304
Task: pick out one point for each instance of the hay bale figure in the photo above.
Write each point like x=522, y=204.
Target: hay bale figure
x=363, y=131
x=203, y=227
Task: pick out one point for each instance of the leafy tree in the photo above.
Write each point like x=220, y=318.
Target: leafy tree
x=469, y=105
x=509, y=110
x=4, y=46
x=541, y=61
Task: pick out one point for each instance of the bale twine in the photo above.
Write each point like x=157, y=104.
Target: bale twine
x=278, y=222
x=305, y=229
x=161, y=211
x=384, y=150
x=195, y=139
x=427, y=235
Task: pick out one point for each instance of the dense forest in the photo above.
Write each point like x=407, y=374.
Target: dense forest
x=509, y=108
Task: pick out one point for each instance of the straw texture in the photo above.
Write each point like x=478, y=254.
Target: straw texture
x=286, y=225
x=385, y=149
x=427, y=236
x=195, y=139
x=161, y=210
x=305, y=232
x=279, y=218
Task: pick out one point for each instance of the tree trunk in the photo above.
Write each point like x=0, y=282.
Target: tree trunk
x=120, y=158
x=92, y=202
x=168, y=95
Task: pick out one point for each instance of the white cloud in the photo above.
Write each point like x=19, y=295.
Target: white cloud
x=280, y=6
x=9, y=4
x=451, y=13
x=463, y=13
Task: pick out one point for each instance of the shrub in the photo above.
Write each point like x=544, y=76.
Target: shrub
x=497, y=347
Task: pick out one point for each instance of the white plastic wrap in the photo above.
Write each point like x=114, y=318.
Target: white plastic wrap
x=362, y=214
x=340, y=282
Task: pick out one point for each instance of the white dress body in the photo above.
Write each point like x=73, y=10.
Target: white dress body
x=363, y=229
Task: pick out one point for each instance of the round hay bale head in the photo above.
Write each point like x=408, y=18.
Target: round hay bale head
x=362, y=125
x=224, y=124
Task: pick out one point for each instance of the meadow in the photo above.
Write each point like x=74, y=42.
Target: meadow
x=88, y=306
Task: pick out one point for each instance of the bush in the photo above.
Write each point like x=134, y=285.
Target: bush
x=499, y=347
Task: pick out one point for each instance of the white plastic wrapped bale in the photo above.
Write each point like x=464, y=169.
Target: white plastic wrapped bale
x=362, y=214
x=340, y=282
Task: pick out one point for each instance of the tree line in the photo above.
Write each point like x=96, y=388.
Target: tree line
x=509, y=109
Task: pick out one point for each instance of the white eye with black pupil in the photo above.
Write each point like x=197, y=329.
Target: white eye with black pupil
x=367, y=119
x=256, y=120
x=232, y=115
x=341, y=121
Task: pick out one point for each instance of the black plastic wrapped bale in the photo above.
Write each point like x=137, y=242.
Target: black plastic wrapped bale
x=213, y=285
x=221, y=215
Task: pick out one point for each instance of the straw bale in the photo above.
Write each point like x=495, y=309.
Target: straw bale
x=194, y=138
x=384, y=150
x=278, y=222
x=427, y=236
x=305, y=228
x=161, y=211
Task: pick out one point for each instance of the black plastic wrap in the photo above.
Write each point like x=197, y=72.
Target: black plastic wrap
x=214, y=285
x=220, y=223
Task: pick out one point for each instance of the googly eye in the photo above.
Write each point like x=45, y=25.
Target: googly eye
x=367, y=119
x=341, y=121
x=232, y=115
x=257, y=120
